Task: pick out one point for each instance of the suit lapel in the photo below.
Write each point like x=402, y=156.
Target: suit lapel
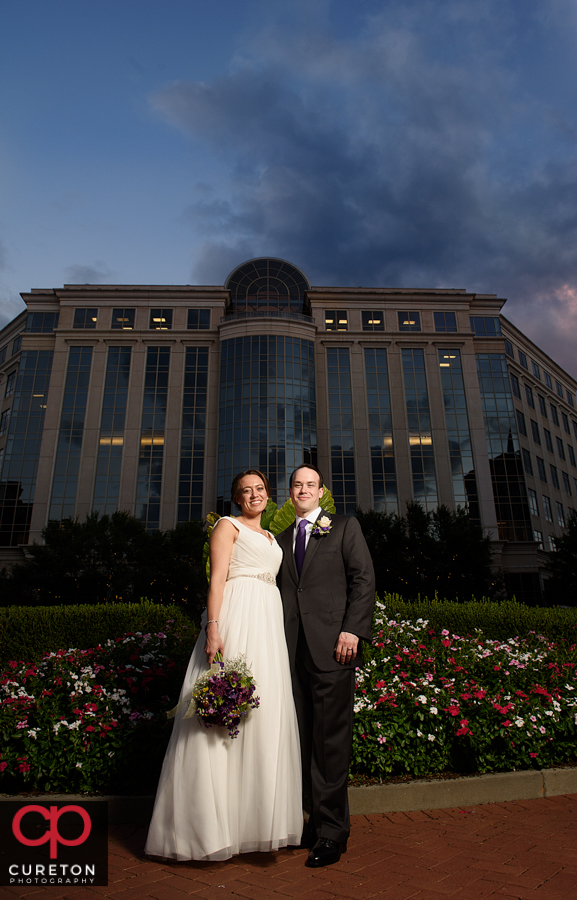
x=313, y=545
x=285, y=539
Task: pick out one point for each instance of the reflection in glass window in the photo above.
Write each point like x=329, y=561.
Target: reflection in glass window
x=198, y=319
x=4, y=421
x=16, y=344
x=509, y=349
x=373, y=320
x=547, y=511
x=542, y=405
x=10, y=382
x=566, y=483
x=507, y=474
x=570, y=398
x=527, y=464
x=559, y=389
x=341, y=429
x=160, y=319
x=192, y=447
x=458, y=433
x=268, y=286
x=536, y=370
x=521, y=423
x=560, y=514
x=486, y=326
x=420, y=434
x=547, y=378
x=515, y=385
x=565, y=418
x=554, y=476
x=548, y=440
x=535, y=431
x=445, y=322
x=538, y=535
x=69, y=447
x=41, y=322
x=571, y=453
x=112, y=423
x=529, y=396
x=523, y=360
x=336, y=320
x=541, y=469
x=532, y=497
x=560, y=448
x=3, y=354
x=554, y=415
x=380, y=431
x=123, y=318
x=85, y=318
x=151, y=458
x=409, y=321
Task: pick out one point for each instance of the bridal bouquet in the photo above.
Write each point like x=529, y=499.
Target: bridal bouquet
x=225, y=694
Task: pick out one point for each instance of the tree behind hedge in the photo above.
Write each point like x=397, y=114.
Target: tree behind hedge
x=441, y=552
x=110, y=559
x=561, y=586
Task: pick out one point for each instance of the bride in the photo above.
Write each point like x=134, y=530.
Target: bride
x=219, y=796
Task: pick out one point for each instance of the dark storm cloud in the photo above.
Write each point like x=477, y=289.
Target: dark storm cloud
x=436, y=148
x=86, y=274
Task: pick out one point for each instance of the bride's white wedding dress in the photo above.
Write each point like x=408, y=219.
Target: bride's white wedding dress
x=219, y=796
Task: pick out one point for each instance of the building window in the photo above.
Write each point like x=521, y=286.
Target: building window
x=560, y=514
x=566, y=483
x=570, y=399
x=542, y=405
x=10, y=381
x=551, y=542
x=41, y=323
x=535, y=431
x=560, y=448
x=515, y=385
x=547, y=511
x=554, y=476
x=380, y=431
x=536, y=370
x=532, y=502
x=575, y=485
x=198, y=320
x=70, y=435
x=3, y=354
x=336, y=320
x=547, y=378
x=341, y=429
x=16, y=344
x=123, y=318
x=559, y=389
x=554, y=415
x=538, y=535
x=523, y=360
x=4, y=421
x=528, y=466
x=373, y=321
x=409, y=321
x=571, y=453
x=486, y=326
x=565, y=418
x=23, y=447
x=192, y=445
x=445, y=322
x=111, y=442
x=160, y=319
x=548, y=440
x=151, y=459
x=85, y=318
x=574, y=423
x=529, y=396
x=541, y=469
x=509, y=349
x=458, y=433
x=521, y=423
x=420, y=435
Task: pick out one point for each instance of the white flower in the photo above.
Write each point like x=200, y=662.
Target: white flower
x=431, y=737
x=434, y=710
x=422, y=698
x=419, y=733
x=78, y=765
x=548, y=712
x=519, y=723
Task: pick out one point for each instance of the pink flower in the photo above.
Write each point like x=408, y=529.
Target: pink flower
x=506, y=723
x=533, y=755
x=90, y=728
x=3, y=765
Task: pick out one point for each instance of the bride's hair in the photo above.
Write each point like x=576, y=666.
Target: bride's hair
x=234, y=488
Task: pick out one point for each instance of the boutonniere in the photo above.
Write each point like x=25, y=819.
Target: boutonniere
x=322, y=526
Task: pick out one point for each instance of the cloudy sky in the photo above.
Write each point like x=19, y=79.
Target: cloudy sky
x=412, y=143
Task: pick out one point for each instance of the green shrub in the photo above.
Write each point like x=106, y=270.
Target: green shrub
x=28, y=632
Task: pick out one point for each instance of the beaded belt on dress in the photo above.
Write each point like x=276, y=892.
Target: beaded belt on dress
x=262, y=576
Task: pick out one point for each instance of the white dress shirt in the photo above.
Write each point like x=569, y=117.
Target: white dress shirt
x=311, y=519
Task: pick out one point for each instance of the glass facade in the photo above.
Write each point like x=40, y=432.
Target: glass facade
x=458, y=433
x=507, y=477
x=111, y=440
x=267, y=410
x=267, y=286
x=151, y=456
x=190, y=489
x=341, y=430
x=419, y=423
x=18, y=478
x=69, y=447
x=380, y=431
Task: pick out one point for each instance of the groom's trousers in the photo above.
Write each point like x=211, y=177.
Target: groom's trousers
x=324, y=705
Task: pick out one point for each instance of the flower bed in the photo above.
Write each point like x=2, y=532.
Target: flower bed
x=90, y=720
x=430, y=701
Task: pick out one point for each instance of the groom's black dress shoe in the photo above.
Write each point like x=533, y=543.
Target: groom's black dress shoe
x=325, y=852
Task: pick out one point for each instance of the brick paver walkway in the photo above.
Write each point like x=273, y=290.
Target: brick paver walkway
x=519, y=851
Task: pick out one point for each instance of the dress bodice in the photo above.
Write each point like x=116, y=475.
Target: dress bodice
x=252, y=553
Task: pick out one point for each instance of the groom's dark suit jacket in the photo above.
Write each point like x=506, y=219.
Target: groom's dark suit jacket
x=336, y=590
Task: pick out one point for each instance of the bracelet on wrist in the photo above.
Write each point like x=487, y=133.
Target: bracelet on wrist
x=210, y=621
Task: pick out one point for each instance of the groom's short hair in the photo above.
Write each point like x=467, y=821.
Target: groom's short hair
x=307, y=466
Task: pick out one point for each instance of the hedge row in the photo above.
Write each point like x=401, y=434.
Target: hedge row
x=28, y=632
x=496, y=621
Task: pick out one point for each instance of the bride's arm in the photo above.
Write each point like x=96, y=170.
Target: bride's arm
x=221, y=543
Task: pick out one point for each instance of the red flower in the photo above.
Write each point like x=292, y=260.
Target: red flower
x=90, y=728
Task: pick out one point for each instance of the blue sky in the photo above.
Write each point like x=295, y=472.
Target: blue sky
x=412, y=143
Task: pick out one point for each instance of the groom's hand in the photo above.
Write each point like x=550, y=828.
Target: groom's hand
x=346, y=649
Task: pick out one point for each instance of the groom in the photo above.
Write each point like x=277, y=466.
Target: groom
x=328, y=589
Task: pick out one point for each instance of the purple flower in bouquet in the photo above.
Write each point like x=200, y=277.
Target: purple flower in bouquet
x=225, y=694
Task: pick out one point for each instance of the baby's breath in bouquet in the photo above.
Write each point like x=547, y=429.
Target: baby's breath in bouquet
x=225, y=694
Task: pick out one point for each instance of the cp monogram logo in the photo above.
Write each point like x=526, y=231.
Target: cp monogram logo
x=52, y=833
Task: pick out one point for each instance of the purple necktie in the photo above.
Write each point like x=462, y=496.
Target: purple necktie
x=300, y=545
